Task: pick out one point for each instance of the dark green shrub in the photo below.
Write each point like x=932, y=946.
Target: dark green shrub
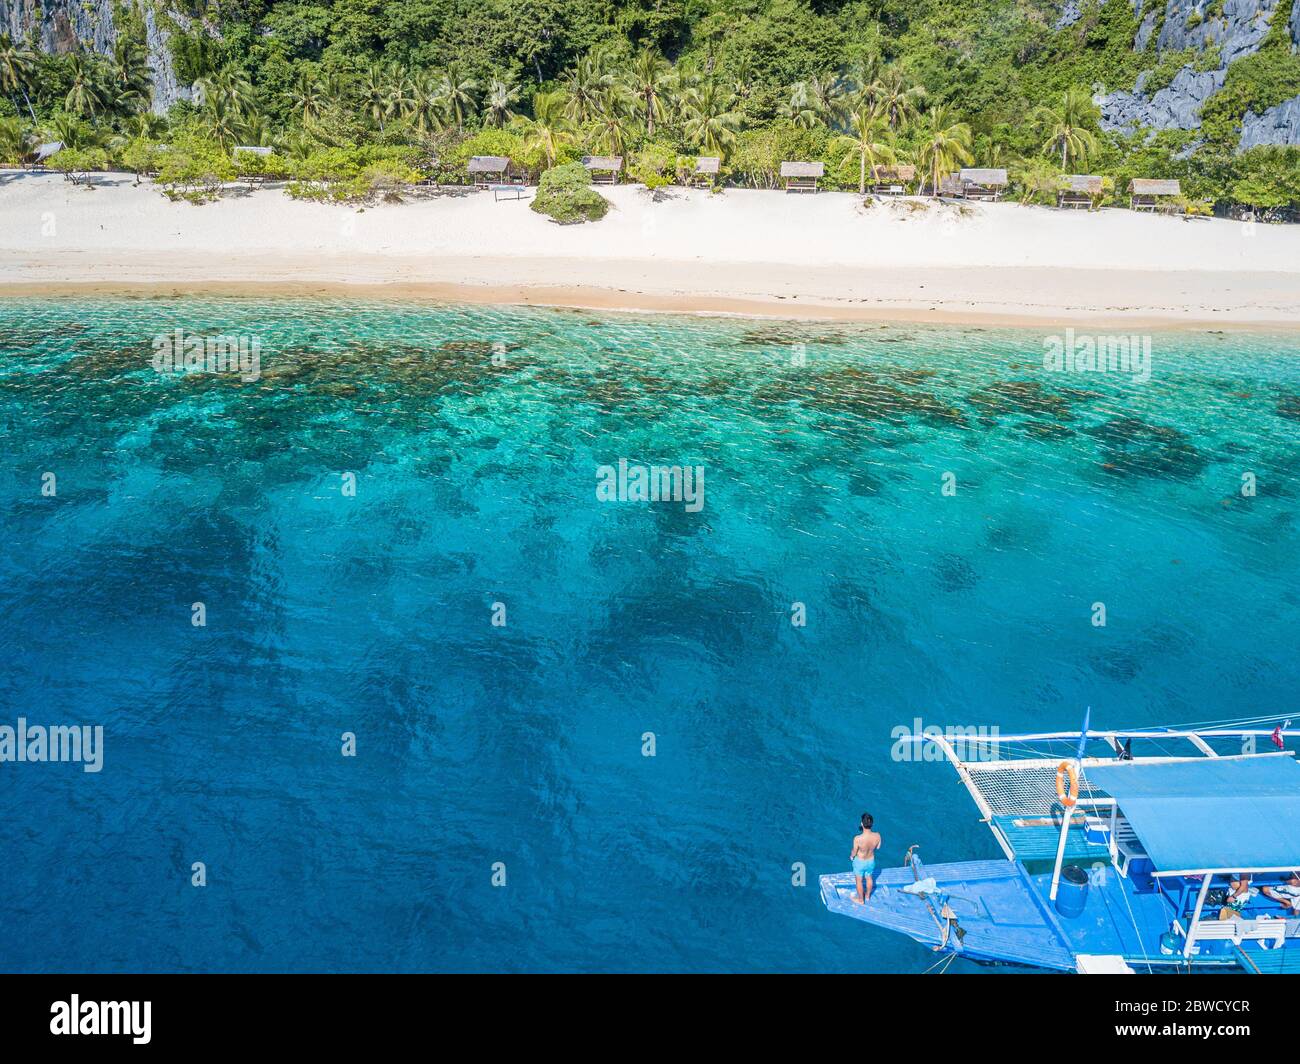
x=565, y=196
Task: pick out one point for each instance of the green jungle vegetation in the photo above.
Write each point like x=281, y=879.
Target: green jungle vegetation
x=359, y=98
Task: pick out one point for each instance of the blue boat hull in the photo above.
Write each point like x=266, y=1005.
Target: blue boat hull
x=993, y=900
x=1006, y=917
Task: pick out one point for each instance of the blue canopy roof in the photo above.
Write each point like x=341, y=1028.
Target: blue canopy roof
x=1212, y=814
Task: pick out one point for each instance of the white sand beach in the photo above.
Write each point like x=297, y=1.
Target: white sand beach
x=740, y=251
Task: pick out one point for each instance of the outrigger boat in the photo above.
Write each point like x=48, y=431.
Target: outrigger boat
x=1120, y=856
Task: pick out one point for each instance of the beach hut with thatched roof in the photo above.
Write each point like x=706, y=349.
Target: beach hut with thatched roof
x=951, y=185
x=707, y=168
x=802, y=177
x=983, y=183
x=1079, y=190
x=1148, y=194
x=604, y=169
x=485, y=170
x=892, y=180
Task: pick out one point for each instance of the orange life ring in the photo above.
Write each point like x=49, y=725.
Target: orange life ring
x=1064, y=769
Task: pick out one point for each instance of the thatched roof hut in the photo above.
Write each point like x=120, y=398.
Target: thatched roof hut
x=984, y=183
x=604, y=169
x=1146, y=186
x=1147, y=194
x=488, y=164
x=1089, y=183
x=988, y=177
x=707, y=168
x=801, y=176
x=1079, y=190
x=900, y=172
x=483, y=168
x=892, y=179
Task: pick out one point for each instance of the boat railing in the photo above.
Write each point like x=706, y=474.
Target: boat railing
x=1006, y=791
x=1238, y=930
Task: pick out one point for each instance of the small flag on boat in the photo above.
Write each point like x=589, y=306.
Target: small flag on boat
x=1277, y=738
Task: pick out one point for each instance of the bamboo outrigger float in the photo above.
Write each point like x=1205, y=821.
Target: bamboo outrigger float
x=1129, y=851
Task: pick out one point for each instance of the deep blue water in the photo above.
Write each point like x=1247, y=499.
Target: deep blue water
x=523, y=744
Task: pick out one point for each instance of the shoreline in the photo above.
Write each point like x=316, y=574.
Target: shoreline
x=595, y=298
x=744, y=252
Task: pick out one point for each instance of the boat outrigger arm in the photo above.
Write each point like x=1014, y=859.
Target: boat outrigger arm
x=922, y=888
x=1112, y=845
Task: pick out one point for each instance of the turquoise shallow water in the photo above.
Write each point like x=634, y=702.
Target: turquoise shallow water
x=522, y=744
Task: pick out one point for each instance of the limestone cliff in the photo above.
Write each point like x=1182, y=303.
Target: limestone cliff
x=58, y=26
x=1223, y=33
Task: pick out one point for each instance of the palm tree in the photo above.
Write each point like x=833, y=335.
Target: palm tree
x=16, y=66
x=229, y=89
x=742, y=77
x=870, y=142
x=583, y=85
x=145, y=125
x=826, y=94
x=14, y=141
x=687, y=79
x=1068, y=126
x=801, y=109
x=943, y=144
x=257, y=131
x=86, y=96
x=221, y=121
x=858, y=82
x=307, y=95
x=72, y=132
x=334, y=88
x=896, y=97
x=710, y=120
x=549, y=128
x=298, y=145
x=612, y=114
x=375, y=100
x=425, y=111
x=400, y=97
x=649, y=81
x=457, y=92
x=131, y=77
x=502, y=94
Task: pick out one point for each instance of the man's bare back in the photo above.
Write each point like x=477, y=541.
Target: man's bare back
x=865, y=845
x=863, y=857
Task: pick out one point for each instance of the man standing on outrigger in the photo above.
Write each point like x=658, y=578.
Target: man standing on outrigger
x=863, y=857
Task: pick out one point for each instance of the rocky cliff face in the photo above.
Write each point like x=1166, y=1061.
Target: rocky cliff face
x=1277, y=125
x=1177, y=106
x=59, y=26
x=1237, y=32
x=166, y=88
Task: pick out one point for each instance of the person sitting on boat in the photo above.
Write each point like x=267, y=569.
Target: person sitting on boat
x=1240, y=894
x=1287, y=894
x=863, y=857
